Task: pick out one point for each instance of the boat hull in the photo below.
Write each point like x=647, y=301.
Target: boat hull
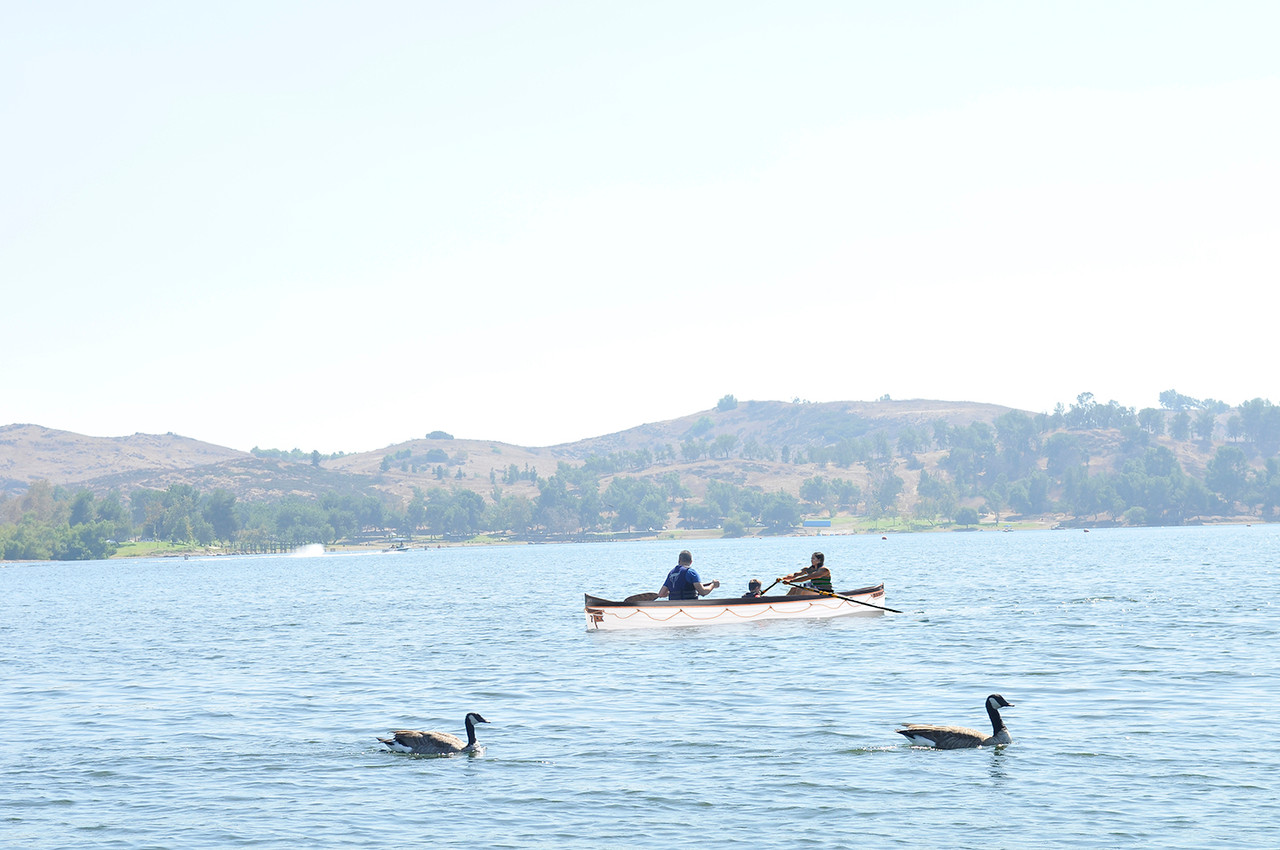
x=607, y=615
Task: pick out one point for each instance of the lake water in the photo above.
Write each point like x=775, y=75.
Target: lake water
x=233, y=702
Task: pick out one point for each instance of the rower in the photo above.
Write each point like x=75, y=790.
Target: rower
x=816, y=576
x=683, y=582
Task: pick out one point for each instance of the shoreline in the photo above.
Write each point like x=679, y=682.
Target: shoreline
x=140, y=550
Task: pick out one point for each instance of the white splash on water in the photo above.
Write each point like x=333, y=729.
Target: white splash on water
x=311, y=550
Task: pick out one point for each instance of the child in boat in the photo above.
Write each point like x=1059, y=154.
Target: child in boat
x=753, y=589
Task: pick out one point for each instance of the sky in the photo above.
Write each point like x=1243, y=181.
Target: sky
x=339, y=226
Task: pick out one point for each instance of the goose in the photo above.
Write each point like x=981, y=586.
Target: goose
x=960, y=737
x=435, y=743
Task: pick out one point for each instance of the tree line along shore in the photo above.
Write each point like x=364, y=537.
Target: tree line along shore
x=1088, y=463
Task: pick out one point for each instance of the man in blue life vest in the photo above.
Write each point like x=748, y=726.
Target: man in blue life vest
x=684, y=583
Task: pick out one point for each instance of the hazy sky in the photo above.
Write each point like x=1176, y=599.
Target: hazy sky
x=337, y=226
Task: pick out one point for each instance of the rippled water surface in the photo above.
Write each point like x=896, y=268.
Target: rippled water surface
x=229, y=702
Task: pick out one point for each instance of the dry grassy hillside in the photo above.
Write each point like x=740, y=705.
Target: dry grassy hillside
x=476, y=459
x=768, y=422
x=31, y=452
x=791, y=423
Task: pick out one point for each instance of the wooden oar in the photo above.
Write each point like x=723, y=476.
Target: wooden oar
x=839, y=596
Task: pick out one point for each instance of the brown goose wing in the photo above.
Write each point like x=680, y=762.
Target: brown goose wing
x=942, y=737
x=427, y=742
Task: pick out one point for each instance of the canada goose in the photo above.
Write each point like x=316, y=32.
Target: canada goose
x=959, y=737
x=435, y=743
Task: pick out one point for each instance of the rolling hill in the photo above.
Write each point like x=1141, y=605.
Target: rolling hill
x=30, y=453
x=768, y=446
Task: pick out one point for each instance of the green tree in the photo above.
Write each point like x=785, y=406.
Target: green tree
x=964, y=465
x=736, y=525
x=1019, y=443
x=941, y=433
x=702, y=426
x=692, y=450
x=590, y=506
x=637, y=504
x=1135, y=516
x=1064, y=452
x=300, y=520
x=699, y=515
x=467, y=512
x=81, y=509
x=997, y=495
x=1204, y=425
x=556, y=507
x=675, y=489
x=721, y=496
x=1260, y=424
x=344, y=513
x=83, y=542
x=39, y=503
x=1090, y=495
x=1031, y=494
x=781, y=513
x=815, y=490
x=887, y=490
x=910, y=441
x=111, y=509
x=1151, y=421
x=219, y=511
x=511, y=513
x=1269, y=487
x=1227, y=473
x=1180, y=426
x=28, y=540
x=938, y=497
x=723, y=445
x=1174, y=400
x=1156, y=483
x=847, y=494
x=416, y=511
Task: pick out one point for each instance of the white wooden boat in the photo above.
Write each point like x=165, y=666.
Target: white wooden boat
x=606, y=615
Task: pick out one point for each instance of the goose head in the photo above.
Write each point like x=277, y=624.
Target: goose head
x=471, y=720
x=995, y=702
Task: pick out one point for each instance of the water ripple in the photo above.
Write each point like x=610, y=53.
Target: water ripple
x=234, y=702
